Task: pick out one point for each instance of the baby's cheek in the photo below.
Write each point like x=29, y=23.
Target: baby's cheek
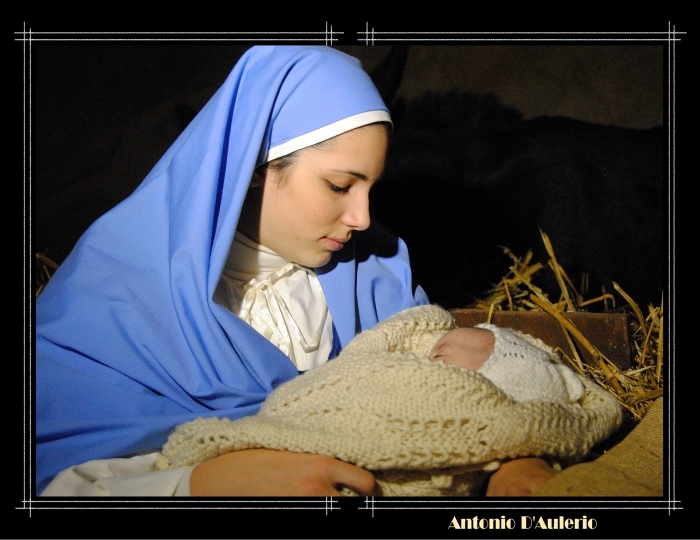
x=468, y=360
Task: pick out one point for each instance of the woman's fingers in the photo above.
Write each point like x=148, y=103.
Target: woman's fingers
x=357, y=479
x=273, y=473
x=519, y=477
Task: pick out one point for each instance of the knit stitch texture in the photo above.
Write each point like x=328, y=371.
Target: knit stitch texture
x=525, y=370
x=423, y=428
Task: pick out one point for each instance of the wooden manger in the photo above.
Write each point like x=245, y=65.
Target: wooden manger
x=620, y=349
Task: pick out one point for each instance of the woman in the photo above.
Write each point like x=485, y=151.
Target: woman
x=244, y=257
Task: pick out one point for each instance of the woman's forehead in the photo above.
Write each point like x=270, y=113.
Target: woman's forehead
x=361, y=152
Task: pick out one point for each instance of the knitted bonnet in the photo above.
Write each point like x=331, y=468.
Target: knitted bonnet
x=525, y=371
x=423, y=428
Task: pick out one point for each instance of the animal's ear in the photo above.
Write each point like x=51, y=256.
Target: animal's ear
x=388, y=74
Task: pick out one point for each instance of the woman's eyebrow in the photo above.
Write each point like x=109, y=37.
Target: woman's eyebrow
x=351, y=173
x=357, y=174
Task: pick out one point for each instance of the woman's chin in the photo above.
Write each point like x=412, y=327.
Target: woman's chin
x=317, y=260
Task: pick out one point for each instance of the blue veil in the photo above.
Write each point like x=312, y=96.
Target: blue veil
x=129, y=342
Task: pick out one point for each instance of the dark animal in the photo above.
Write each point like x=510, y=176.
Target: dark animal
x=466, y=174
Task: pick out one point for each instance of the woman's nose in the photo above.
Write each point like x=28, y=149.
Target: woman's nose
x=357, y=212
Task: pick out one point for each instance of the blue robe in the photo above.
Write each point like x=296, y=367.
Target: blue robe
x=129, y=342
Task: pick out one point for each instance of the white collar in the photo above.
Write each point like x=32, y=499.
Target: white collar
x=280, y=299
x=247, y=259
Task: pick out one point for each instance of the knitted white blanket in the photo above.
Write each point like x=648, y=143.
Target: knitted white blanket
x=423, y=428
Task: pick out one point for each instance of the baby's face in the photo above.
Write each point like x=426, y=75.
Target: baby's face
x=465, y=347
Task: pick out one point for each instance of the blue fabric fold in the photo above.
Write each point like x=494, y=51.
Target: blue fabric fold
x=129, y=342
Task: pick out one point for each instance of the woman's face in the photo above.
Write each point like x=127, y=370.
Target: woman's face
x=311, y=209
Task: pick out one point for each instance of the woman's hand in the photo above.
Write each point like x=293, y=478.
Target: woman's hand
x=519, y=477
x=274, y=473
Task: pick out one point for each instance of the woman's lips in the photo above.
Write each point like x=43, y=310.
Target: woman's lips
x=334, y=244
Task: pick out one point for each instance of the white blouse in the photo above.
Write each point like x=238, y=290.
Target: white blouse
x=280, y=299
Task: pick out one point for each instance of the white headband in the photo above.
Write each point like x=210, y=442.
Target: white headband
x=326, y=132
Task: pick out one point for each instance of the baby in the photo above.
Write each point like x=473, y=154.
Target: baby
x=392, y=404
x=511, y=362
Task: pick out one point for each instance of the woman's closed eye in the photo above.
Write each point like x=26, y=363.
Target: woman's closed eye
x=338, y=189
